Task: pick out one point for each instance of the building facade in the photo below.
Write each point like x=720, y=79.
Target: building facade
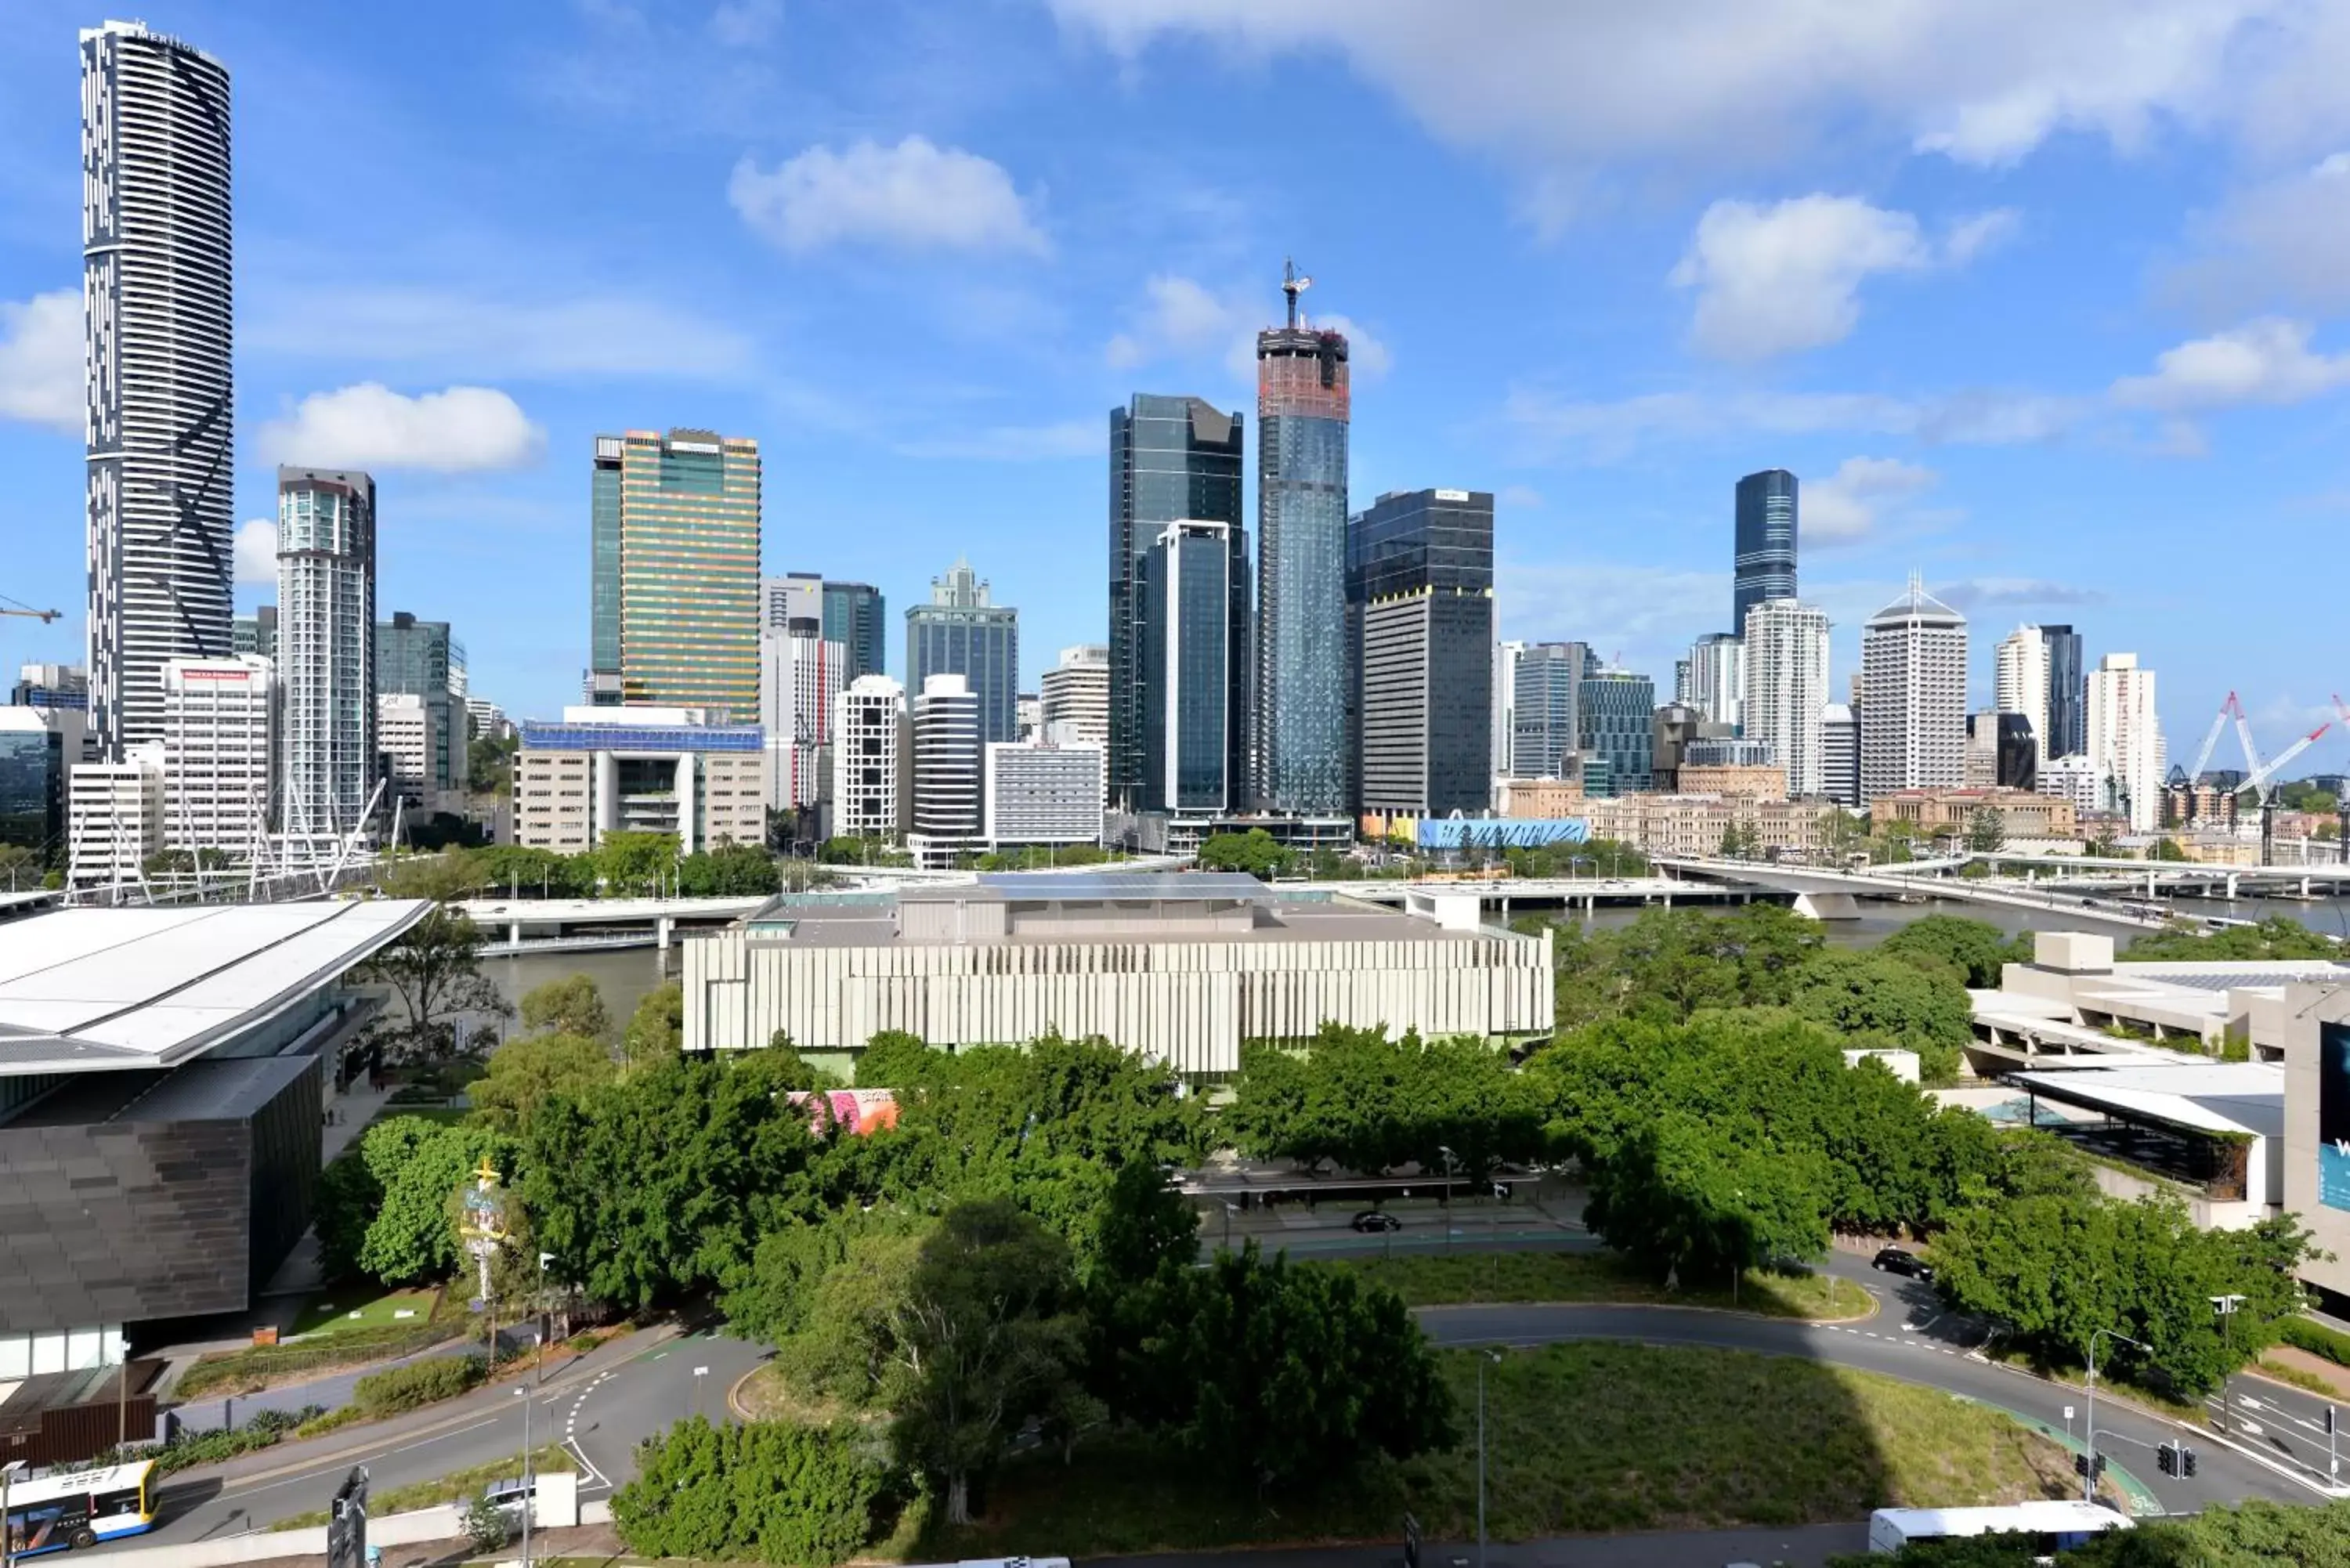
x=1073, y=698
x=856, y=618
x=1615, y=718
x=640, y=770
x=794, y=595
x=2002, y=751
x=158, y=406
x=2073, y=778
x=420, y=659
x=1839, y=755
x=1505, y=705
x=868, y=760
x=1304, y=761
x=2067, y=729
x=256, y=633
x=326, y=641
x=1039, y=793
x=2019, y=682
x=1786, y=695
x=114, y=818
x=404, y=739
x=1543, y=719
x=218, y=741
x=1763, y=566
x=1717, y=676
x=801, y=673
x=1419, y=610
x=2124, y=741
x=1951, y=813
x=961, y=631
x=950, y=786
x=1913, y=704
x=1171, y=459
x=1192, y=656
x=1693, y=825
x=1766, y=780
x=32, y=780
x=674, y=571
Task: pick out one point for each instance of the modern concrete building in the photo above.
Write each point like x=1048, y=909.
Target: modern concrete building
x=1302, y=740
x=2019, y=682
x=794, y=595
x=114, y=818
x=1073, y=698
x=868, y=760
x=640, y=769
x=801, y=672
x=325, y=652
x=1913, y=707
x=1171, y=459
x=1505, y=706
x=159, y=405
x=1419, y=610
x=1785, y=701
x=1191, y=655
x=1178, y=967
x=1040, y=793
x=961, y=631
x=1840, y=755
x=2073, y=778
x=1615, y=719
x=1542, y=714
x=950, y=786
x=2124, y=747
x=1717, y=681
x=1763, y=564
x=404, y=737
x=422, y=659
x=219, y=737
x=673, y=572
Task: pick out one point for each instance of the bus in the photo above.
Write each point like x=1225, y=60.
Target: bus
x=81, y=1508
x=2052, y=1527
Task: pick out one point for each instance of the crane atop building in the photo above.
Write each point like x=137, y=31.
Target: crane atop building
x=1292, y=284
x=17, y=606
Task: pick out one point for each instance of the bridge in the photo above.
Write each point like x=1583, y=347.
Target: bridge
x=588, y=924
x=1828, y=894
x=1506, y=893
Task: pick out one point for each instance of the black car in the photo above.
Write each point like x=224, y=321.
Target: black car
x=1375, y=1220
x=1894, y=1261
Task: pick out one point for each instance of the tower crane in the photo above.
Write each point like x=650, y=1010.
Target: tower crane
x=17, y=606
x=2262, y=772
x=2190, y=815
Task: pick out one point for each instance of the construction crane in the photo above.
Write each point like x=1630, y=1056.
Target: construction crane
x=17, y=606
x=2187, y=781
x=2259, y=783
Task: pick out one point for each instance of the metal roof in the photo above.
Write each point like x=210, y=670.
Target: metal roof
x=2209, y=1096
x=1110, y=885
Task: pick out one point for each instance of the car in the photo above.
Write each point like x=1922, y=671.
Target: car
x=1375, y=1220
x=1895, y=1261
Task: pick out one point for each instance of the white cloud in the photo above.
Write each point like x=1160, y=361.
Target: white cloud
x=1522, y=497
x=492, y=338
x=914, y=196
x=1845, y=506
x=41, y=366
x=1771, y=280
x=2286, y=242
x=1019, y=444
x=1615, y=608
x=1979, y=233
x=462, y=430
x=1596, y=431
x=1182, y=319
x=1992, y=593
x=2263, y=362
x=746, y=24
x=1754, y=83
x=256, y=553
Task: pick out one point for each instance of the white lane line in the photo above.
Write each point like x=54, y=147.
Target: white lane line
x=346, y=1463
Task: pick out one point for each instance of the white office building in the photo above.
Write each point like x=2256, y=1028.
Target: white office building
x=2125, y=741
x=949, y=784
x=869, y=759
x=638, y=768
x=484, y=719
x=2073, y=778
x=1785, y=691
x=1913, y=696
x=799, y=675
x=1840, y=755
x=114, y=818
x=1073, y=697
x=325, y=652
x=1505, y=704
x=403, y=733
x=218, y=717
x=1042, y=793
x=1717, y=677
x=2019, y=681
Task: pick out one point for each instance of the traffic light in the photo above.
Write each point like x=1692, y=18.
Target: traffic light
x=2329, y=1420
x=2167, y=1456
x=2186, y=1461
x=2082, y=1463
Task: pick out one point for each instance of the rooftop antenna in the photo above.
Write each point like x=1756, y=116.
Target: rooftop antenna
x=1293, y=286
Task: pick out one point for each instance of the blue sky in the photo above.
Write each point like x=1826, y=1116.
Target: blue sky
x=2046, y=302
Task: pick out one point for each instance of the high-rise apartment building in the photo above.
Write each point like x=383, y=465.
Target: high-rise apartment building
x=1764, y=563
x=1073, y=698
x=1614, y=721
x=256, y=633
x=2124, y=741
x=1039, y=793
x=800, y=673
x=949, y=783
x=674, y=571
x=404, y=738
x=420, y=659
x=1839, y=755
x=1505, y=705
x=2019, y=682
x=1171, y=459
x=158, y=405
x=1786, y=693
x=853, y=618
x=326, y=650
x=1913, y=705
x=1191, y=656
x=114, y=817
x=868, y=722
x=961, y=631
x=1420, y=612
x=218, y=715
x=1543, y=727
x=2067, y=729
x=1303, y=743
x=1717, y=683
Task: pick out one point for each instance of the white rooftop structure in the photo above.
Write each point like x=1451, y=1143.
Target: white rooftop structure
x=87, y=989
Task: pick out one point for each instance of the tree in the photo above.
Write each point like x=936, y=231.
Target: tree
x=525, y=873
x=729, y=871
x=2276, y=936
x=778, y=1491
x=1973, y=952
x=634, y=865
x=530, y=1069
x=1868, y=993
x=571, y=1005
x=386, y=1211
x=20, y=866
x=489, y=764
x=1255, y=852
x=1690, y=1201
x=2166, y=849
x=1986, y=830
x=1741, y=841
x=1369, y=1103
x=656, y=1031
x=775, y=1298
x=2104, y=845
x=435, y=967
x=848, y=1342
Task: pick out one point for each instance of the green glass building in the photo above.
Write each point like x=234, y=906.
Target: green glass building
x=673, y=572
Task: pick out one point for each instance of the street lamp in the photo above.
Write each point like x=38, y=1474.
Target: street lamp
x=2089, y=1471
x=1450, y=1160
x=1486, y=1358
x=2224, y=1309
x=1230, y=1208
x=529, y=1493
x=699, y=1374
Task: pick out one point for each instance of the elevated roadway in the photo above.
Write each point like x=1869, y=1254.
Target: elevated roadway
x=1830, y=894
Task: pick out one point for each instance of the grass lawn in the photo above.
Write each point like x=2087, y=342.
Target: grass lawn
x=1425, y=1279
x=1581, y=1438
x=358, y=1305
x=457, y=1486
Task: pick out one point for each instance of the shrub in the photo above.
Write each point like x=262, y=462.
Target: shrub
x=2316, y=1338
x=418, y=1383
x=772, y=1491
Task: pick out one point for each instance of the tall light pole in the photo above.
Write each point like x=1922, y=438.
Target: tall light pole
x=2089, y=1471
x=2224, y=1309
x=1486, y=1358
x=1450, y=1161
x=529, y=1493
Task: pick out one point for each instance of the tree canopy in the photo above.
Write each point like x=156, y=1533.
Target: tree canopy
x=571, y=1005
x=773, y=1491
x=1255, y=852
x=1371, y=1103
x=1973, y=952
x=386, y=1205
x=2277, y=937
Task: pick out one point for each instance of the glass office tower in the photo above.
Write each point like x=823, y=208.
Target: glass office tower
x=961, y=633
x=673, y=572
x=1615, y=715
x=1192, y=654
x=2067, y=720
x=1420, y=611
x=417, y=657
x=1765, y=562
x=1304, y=684
x=852, y=617
x=1171, y=459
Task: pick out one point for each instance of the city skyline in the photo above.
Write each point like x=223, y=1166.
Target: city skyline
x=1612, y=482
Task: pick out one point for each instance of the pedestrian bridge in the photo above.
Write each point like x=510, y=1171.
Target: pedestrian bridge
x=1828, y=894
x=585, y=925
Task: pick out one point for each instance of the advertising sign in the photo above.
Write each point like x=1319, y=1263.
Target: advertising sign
x=2334, y=1114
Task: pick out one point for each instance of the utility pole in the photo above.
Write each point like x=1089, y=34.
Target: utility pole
x=529, y=1492
x=2224, y=1309
x=1489, y=1357
x=2089, y=1471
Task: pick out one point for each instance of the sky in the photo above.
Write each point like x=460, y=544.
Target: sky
x=2048, y=303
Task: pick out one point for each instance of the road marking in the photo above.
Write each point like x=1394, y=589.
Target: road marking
x=345, y=1463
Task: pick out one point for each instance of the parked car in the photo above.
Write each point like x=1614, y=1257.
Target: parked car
x=1376, y=1219
x=1895, y=1261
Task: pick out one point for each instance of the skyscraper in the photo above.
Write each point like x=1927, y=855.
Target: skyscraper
x=947, y=753
x=1191, y=655
x=1765, y=560
x=325, y=648
x=853, y=618
x=256, y=633
x=158, y=414
x=1171, y=459
x=1505, y=705
x=1840, y=755
x=794, y=595
x=800, y=670
x=1542, y=714
x=2124, y=739
x=1717, y=663
x=673, y=567
x=962, y=632
x=2019, y=682
x=868, y=722
x=2068, y=726
x=1787, y=694
x=418, y=658
x=1303, y=683
x=1419, y=607
x=1615, y=721
x=1913, y=706
x=1073, y=697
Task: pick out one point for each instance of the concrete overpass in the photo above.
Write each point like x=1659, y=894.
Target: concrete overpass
x=1508, y=893
x=587, y=925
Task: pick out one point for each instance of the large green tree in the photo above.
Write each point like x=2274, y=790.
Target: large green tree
x=435, y=966
x=1369, y=1103
x=530, y=1069
x=1255, y=852
x=387, y=1207
x=1867, y=994
x=1973, y=952
x=769, y=1491
x=636, y=864
x=571, y=1005
x=2276, y=936
x=729, y=871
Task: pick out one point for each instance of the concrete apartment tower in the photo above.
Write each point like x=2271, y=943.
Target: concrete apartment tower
x=158, y=414
x=1786, y=698
x=869, y=724
x=1913, y=703
x=2019, y=681
x=2124, y=747
x=326, y=651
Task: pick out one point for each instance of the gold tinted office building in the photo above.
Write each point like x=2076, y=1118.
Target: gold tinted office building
x=674, y=572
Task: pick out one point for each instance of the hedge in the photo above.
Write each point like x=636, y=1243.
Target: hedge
x=2302, y=1333
x=418, y=1383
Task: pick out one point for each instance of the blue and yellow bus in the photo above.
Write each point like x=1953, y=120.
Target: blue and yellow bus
x=81, y=1508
